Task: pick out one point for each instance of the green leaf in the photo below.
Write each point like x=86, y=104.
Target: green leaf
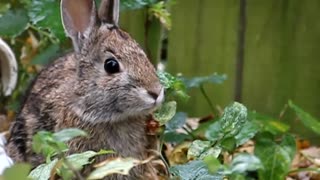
x=16, y=172
x=228, y=144
x=212, y=163
x=249, y=130
x=268, y=124
x=200, y=149
x=166, y=112
x=46, y=15
x=44, y=143
x=160, y=11
x=47, y=55
x=276, y=158
x=308, y=120
x=136, y=4
x=77, y=161
x=196, y=82
x=178, y=120
x=194, y=170
x=68, y=134
x=174, y=137
x=13, y=22
x=174, y=86
x=230, y=124
x=245, y=162
x=43, y=171
x=115, y=166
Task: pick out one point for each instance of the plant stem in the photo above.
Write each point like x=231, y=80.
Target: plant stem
x=207, y=98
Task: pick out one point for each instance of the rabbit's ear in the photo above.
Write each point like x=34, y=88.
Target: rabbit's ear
x=109, y=12
x=78, y=18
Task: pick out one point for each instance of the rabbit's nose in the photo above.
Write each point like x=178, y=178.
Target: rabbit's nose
x=154, y=95
x=156, y=92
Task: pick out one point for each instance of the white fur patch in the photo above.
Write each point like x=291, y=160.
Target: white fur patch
x=5, y=160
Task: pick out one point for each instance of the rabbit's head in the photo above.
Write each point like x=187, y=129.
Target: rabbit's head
x=115, y=79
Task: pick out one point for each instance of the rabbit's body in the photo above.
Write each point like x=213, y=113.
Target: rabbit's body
x=107, y=88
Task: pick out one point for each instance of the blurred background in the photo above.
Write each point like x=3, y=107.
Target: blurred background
x=269, y=50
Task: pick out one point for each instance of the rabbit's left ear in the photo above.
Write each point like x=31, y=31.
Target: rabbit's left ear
x=109, y=12
x=78, y=18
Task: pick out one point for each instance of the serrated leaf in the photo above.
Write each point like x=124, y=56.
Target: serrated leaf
x=276, y=158
x=200, y=149
x=68, y=134
x=198, y=81
x=178, y=120
x=244, y=162
x=46, y=14
x=17, y=172
x=308, y=120
x=166, y=112
x=43, y=171
x=230, y=124
x=115, y=166
x=194, y=170
x=13, y=22
x=249, y=130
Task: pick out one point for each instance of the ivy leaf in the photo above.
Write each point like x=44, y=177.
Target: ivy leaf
x=196, y=82
x=43, y=171
x=201, y=149
x=308, y=120
x=46, y=14
x=115, y=166
x=174, y=137
x=230, y=124
x=245, y=162
x=13, y=22
x=276, y=158
x=166, y=112
x=228, y=144
x=194, y=170
x=16, y=172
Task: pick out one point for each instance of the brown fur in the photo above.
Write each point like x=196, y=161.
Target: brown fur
x=75, y=91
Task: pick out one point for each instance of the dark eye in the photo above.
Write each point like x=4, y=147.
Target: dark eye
x=111, y=66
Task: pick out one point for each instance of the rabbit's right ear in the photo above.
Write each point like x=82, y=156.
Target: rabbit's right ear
x=78, y=18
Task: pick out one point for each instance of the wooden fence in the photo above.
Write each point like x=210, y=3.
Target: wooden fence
x=282, y=51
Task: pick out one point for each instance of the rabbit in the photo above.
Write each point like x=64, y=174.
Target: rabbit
x=106, y=87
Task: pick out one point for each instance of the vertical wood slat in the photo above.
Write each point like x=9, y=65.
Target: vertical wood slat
x=282, y=57
x=203, y=41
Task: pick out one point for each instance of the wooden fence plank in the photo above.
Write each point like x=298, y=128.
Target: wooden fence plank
x=282, y=56
x=202, y=41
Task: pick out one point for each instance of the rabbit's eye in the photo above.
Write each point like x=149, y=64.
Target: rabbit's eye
x=111, y=66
